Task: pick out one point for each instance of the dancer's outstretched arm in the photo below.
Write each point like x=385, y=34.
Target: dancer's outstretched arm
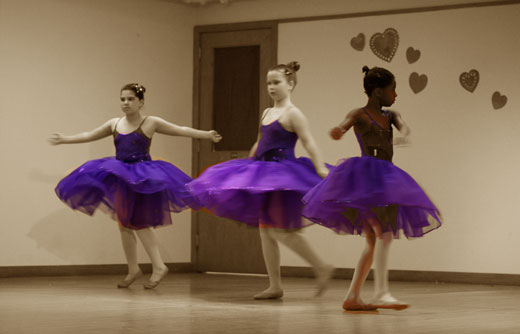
x=103, y=131
x=352, y=117
x=161, y=126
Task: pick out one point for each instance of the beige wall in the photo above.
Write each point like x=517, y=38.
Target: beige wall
x=257, y=10
x=63, y=62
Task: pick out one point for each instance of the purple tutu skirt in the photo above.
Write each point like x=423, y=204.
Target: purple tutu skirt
x=361, y=188
x=257, y=192
x=138, y=195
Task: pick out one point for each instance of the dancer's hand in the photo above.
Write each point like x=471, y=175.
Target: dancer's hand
x=336, y=133
x=215, y=136
x=56, y=139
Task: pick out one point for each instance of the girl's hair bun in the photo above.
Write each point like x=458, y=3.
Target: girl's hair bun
x=294, y=65
x=376, y=77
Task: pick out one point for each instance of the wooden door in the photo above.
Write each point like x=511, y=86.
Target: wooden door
x=230, y=95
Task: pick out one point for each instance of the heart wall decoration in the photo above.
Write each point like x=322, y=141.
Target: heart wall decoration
x=469, y=80
x=412, y=55
x=358, y=42
x=498, y=100
x=418, y=82
x=384, y=45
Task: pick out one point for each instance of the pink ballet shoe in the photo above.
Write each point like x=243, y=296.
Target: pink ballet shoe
x=129, y=280
x=269, y=295
x=153, y=284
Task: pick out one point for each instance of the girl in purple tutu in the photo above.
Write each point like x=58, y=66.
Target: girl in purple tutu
x=137, y=191
x=371, y=196
x=266, y=189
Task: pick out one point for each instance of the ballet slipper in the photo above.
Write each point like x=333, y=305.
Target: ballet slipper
x=387, y=301
x=358, y=306
x=398, y=306
x=276, y=294
x=323, y=277
x=152, y=284
x=129, y=280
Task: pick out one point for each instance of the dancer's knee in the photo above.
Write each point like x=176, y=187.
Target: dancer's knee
x=126, y=230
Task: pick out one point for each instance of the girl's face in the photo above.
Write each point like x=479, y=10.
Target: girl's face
x=277, y=85
x=388, y=95
x=130, y=103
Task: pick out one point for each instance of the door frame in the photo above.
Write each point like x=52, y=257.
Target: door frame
x=198, y=31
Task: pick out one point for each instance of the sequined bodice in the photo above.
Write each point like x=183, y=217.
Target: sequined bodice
x=133, y=146
x=375, y=141
x=276, y=143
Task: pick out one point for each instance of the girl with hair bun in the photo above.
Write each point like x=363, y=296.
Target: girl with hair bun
x=369, y=195
x=265, y=190
x=140, y=193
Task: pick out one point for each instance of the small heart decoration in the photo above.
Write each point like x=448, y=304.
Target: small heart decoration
x=498, y=100
x=412, y=55
x=358, y=42
x=469, y=80
x=418, y=82
x=384, y=45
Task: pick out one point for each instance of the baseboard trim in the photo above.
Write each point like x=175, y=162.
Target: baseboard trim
x=417, y=276
x=287, y=271
x=83, y=270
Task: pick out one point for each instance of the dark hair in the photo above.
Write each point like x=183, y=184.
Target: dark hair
x=376, y=77
x=288, y=70
x=136, y=88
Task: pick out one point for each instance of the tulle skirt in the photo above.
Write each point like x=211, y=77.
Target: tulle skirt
x=362, y=188
x=138, y=195
x=257, y=192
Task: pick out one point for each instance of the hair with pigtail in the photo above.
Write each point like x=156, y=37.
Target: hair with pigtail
x=138, y=89
x=289, y=70
x=376, y=77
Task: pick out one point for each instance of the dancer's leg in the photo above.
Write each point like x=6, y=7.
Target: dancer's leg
x=295, y=241
x=271, y=252
x=129, y=243
x=151, y=246
x=382, y=295
x=362, y=269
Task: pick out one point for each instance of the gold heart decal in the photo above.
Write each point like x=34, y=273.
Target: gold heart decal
x=412, y=55
x=358, y=42
x=418, y=82
x=384, y=45
x=498, y=100
x=469, y=80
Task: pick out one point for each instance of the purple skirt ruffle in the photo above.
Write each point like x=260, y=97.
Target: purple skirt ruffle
x=257, y=191
x=138, y=195
x=365, y=187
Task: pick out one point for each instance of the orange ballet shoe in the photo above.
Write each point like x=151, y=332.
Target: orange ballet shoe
x=355, y=306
